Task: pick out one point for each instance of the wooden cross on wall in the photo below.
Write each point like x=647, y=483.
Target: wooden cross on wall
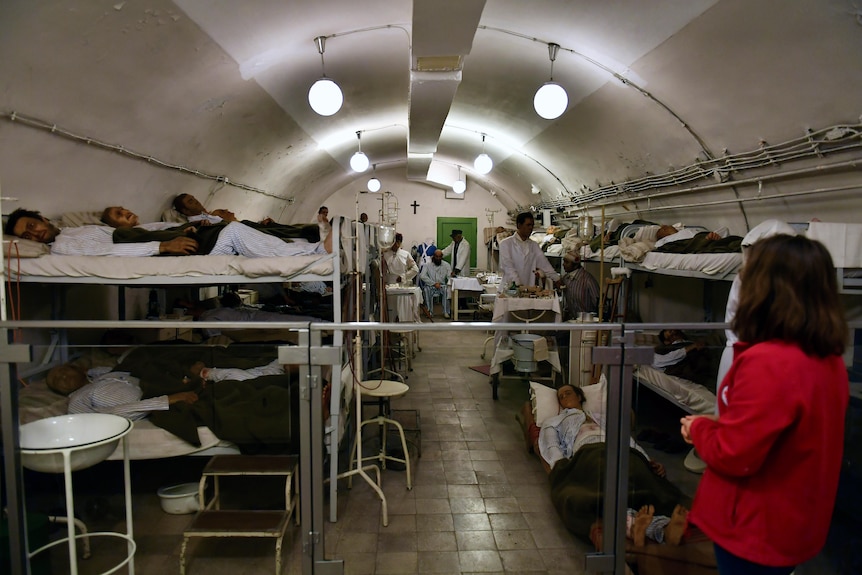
x=414, y=205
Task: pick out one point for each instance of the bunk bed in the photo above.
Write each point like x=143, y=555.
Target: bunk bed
x=31, y=262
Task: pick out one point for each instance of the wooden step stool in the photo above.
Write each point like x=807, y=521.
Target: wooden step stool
x=212, y=521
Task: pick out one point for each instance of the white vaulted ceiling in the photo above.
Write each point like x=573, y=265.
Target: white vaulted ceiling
x=221, y=86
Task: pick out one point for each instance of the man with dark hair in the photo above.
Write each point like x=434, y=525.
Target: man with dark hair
x=521, y=259
x=88, y=240
x=398, y=265
x=232, y=238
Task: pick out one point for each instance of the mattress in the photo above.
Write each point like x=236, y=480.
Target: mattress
x=92, y=269
x=719, y=265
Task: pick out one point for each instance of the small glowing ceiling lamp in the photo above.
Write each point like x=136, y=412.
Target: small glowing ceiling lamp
x=483, y=163
x=359, y=161
x=459, y=185
x=374, y=183
x=551, y=99
x=325, y=96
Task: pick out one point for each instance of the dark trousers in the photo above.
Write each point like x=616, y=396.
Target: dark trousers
x=730, y=564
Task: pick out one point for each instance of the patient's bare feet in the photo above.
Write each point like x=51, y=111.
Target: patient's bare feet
x=642, y=520
x=674, y=530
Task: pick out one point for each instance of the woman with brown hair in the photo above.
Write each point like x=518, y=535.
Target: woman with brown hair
x=774, y=454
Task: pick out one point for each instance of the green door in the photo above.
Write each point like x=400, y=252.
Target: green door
x=468, y=229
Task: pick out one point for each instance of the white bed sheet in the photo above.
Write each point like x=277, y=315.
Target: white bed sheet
x=690, y=396
x=718, y=265
x=186, y=267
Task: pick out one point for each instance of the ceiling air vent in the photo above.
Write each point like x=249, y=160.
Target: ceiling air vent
x=438, y=63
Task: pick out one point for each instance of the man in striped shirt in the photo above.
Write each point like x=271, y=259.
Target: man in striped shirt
x=580, y=288
x=233, y=239
x=103, y=390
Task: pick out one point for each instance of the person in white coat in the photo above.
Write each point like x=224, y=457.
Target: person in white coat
x=521, y=259
x=459, y=251
x=399, y=266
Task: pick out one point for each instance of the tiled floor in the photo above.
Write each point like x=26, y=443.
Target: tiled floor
x=480, y=503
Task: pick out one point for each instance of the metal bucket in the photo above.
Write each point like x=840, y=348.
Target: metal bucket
x=522, y=345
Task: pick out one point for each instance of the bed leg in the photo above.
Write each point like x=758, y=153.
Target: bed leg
x=183, y=556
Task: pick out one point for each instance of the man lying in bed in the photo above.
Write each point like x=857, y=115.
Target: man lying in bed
x=232, y=239
x=680, y=356
x=258, y=410
x=119, y=217
x=691, y=241
x=107, y=390
x=572, y=448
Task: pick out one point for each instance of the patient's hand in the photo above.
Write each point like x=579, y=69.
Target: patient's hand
x=181, y=246
x=657, y=468
x=184, y=396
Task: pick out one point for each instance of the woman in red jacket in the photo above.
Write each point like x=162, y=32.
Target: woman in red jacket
x=774, y=454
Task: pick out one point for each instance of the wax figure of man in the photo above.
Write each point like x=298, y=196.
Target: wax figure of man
x=194, y=211
x=580, y=288
x=232, y=239
x=120, y=217
x=680, y=356
x=459, y=251
x=399, y=265
x=434, y=277
x=571, y=445
x=521, y=259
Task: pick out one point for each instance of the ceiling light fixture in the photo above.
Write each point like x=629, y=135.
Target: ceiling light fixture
x=325, y=96
x=551, y=99
x=459, y=185
x=359, y=161
x=373, y=182
x=483, y=163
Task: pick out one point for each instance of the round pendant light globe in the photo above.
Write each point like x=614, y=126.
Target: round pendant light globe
x=359, y=162
x=459, y=186
x=550, y=101
x=483, y=164
x=373, y=185
x=325, y=97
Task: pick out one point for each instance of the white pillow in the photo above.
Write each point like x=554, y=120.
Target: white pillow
x=597, y=397
x=545, y=404
x=23, y=248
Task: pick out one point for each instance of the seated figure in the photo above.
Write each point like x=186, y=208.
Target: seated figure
x=433, y=278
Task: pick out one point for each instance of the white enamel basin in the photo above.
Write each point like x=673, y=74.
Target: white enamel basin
x=89, y=438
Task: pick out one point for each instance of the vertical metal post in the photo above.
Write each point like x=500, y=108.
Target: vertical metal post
x=311, y=466
x=14, y=477
x=620, y=358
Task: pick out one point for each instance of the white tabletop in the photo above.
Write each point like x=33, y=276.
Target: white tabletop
x=465, y=284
